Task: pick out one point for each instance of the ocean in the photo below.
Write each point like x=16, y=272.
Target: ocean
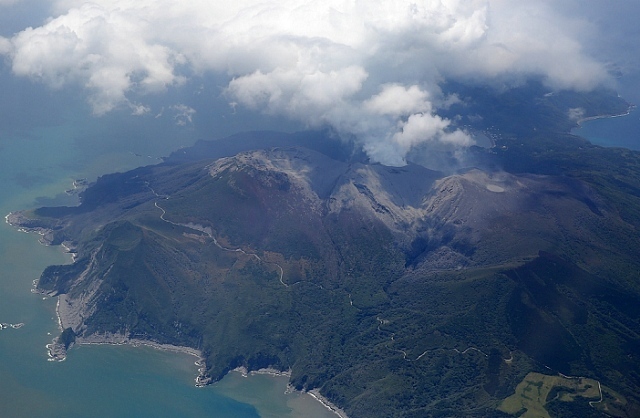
x=621, y=131
x=38, y=162
x=39, y=159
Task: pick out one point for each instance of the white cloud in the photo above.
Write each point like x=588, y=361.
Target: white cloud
x=397, y=100
x=105, y=50
x=307, y=94
x=421, y=127
x=5, y=46
x=183, y=114
x=139, y=109
x=576, y=113
x=367, y=68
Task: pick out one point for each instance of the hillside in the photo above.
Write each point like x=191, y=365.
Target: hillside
x=396, y=291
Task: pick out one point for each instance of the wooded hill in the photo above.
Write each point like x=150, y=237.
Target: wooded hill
x=395, y=291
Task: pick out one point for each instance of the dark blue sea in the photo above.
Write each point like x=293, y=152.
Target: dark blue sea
x=623, y=131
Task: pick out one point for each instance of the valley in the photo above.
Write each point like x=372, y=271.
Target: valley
x=392, y=291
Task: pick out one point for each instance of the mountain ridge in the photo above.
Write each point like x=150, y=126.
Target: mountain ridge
x=395, y=291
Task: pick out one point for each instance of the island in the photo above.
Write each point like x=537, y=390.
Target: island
x=388, y=291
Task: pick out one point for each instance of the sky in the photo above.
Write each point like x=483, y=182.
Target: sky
x=371, y=71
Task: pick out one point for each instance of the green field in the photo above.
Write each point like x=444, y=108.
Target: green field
x=538, y=390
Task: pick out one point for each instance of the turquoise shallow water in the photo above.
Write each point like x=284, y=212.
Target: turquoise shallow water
x=97, y=381
x=38, y=161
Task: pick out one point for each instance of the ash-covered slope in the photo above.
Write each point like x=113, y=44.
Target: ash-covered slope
x=395, y=291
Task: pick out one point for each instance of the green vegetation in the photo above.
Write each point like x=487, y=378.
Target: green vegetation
x=543, y=396
x=247, y=268
x=67, y=338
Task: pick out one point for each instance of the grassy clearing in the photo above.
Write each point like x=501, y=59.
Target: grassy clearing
x=536, y=390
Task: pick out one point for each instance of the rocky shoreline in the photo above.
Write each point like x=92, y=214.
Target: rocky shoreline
x=69, y=315
x=267, y=370
x=314, y=393
x=5, y=325
x=58, y=352
x=24, y=224
x=70, y=319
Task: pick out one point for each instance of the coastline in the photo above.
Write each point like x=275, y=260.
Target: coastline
x=201, y=379
x=579, y=122
x=69, y=316
x=5, y=325
x=57, y=351
x=267, y=370
x=314, y=393
x=21, y=223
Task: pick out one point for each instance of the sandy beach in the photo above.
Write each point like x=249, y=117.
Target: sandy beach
x=315, y=393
